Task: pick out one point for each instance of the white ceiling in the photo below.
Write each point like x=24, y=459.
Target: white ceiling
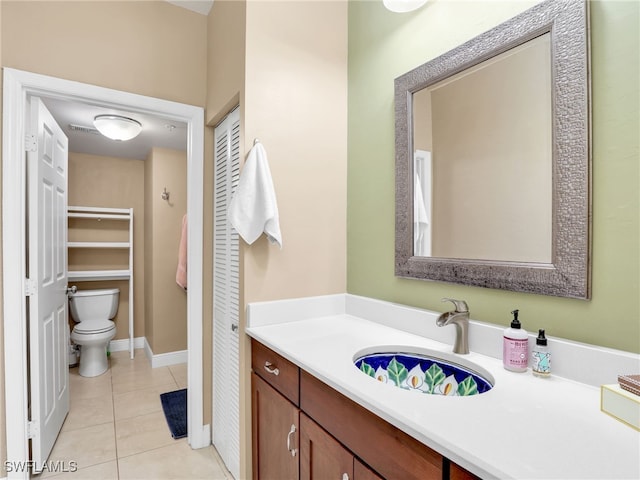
x=156, y=132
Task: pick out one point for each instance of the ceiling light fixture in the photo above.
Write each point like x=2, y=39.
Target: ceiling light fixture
x=402, y=6
x=117, y=127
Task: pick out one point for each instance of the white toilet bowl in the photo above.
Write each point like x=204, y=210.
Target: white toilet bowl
x=93, y=309
x=93, y=346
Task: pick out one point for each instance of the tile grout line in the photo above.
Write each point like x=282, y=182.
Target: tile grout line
x=149, y=450
x=174, y=377
x=118, y=458
x=115, y=433
x=111, y=382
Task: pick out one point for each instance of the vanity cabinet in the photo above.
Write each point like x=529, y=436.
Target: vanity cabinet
x=321, y=456
x=304, y=429
x=362, y=472
x=390, y=452
x=274, y=417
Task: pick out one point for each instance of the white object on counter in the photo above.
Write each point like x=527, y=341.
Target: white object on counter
x=621, y=405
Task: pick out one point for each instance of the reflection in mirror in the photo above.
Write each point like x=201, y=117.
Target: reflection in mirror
x=483, y=160
x=493, y=183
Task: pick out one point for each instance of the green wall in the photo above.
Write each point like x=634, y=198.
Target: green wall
x=382, y=46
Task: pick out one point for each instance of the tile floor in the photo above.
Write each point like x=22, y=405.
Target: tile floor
x=116, y=428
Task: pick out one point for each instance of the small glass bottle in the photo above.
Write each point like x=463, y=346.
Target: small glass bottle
x=541, y=357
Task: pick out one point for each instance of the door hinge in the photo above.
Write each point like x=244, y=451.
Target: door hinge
x=30, y=287
x=32, y=429
x=30, y=143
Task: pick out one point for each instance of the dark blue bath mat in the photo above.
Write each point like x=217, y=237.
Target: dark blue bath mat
x=174, y=405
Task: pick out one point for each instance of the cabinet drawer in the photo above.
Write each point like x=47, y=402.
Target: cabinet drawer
x=279, y=372
x=388, y=450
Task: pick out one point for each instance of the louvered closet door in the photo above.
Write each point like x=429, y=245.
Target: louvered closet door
x=226, y=298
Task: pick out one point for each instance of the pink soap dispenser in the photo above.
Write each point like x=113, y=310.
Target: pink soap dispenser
x=515, y=346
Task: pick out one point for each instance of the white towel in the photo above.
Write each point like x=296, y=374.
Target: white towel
x=253, y=208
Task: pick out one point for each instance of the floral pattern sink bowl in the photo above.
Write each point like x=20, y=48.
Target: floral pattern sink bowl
x=424, y=372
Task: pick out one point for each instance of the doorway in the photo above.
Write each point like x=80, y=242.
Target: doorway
x=18, y=86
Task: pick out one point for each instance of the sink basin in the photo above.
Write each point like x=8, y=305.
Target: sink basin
x=425, y=371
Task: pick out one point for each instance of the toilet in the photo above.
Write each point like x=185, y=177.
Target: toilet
x=92, y=310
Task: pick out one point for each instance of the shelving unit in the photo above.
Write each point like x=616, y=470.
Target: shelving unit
x=99, y=214
x=98, y=244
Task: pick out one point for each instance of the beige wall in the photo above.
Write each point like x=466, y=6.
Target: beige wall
x=166, y=321
x=96, y=181
x=154, y=49
x=289, y=74
x=225, y=58
x=296, y=104
x=148, y=253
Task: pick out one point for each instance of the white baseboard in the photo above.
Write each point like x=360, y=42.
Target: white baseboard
x=165, y=359
x=123, y=344
x=147, y=350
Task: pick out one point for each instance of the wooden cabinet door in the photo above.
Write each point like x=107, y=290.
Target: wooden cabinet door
x=362, y=472
x=321, y=456
x=393, y=454
x=275, y=430
x=456, y=472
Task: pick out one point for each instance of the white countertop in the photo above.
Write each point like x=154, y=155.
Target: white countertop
x=525, y=427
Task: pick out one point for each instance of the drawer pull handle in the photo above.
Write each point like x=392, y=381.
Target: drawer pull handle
x=291, y=432
x=269, y=367
x=345, y=476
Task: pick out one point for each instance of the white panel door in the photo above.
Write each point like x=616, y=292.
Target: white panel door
x=47, y=153
x=226, y=297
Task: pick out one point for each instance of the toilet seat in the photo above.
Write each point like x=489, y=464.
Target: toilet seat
x=89, y=327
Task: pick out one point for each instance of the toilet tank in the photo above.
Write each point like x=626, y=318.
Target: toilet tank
x=94, y=304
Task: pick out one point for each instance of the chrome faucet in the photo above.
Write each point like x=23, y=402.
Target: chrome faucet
x=460, y=318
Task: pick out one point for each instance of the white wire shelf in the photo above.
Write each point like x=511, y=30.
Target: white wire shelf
x=97, y=275
x=98, y=244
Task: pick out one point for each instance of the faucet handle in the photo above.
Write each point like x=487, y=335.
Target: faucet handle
x=461, y=305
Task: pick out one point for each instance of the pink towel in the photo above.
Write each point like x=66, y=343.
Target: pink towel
x=181, y=273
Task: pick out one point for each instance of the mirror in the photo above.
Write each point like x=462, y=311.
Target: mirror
x=476, y=135
x=493, y=158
